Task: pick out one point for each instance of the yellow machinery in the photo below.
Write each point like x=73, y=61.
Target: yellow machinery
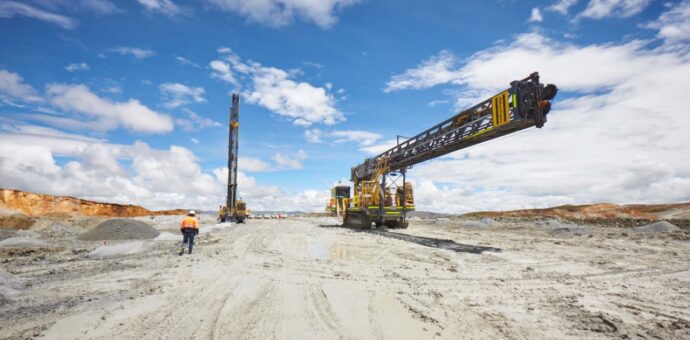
x=235, y=210
x=381, y=194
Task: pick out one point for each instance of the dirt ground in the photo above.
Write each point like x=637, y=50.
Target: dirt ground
x=306, y=278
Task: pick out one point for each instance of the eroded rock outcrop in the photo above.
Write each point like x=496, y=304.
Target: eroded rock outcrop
x=32, y=204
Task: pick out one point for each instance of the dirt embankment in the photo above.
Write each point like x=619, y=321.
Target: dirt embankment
x=649, y=212
x=34, y=205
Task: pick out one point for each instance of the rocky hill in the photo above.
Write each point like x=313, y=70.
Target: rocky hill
x=35, y=205
x=600, y=211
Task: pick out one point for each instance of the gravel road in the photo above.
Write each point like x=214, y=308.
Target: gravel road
x=306, y=278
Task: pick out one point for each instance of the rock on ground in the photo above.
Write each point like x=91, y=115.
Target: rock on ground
x=121, y=229
x=16, y=221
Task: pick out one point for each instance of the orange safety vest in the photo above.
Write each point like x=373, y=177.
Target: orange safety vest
x=189, y=222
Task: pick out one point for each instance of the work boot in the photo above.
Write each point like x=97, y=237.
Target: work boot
x=190, y=252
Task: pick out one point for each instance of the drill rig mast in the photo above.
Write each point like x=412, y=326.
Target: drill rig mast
x=381, y=193
x=234, y=210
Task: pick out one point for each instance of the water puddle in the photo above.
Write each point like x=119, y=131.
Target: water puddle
x=317, y=249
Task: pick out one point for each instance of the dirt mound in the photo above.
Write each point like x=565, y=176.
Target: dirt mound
x=120, y=229
x=16, y=221
x=656, y=227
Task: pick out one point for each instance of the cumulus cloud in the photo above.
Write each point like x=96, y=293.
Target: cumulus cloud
x=535, y=16
x=10, y=9
x=166, y=7
x=131, y=114
x=177, y=94
x=77, y=67
x=277, y=13
x=136, y=52
x=250, y=164
x=612, y=137
x=674, y=24
x=359, y=137
x=221, y=70
x=155, y=178
x=562, y=6
x=599, y=9
x=279, y=162
x=438, y=69
x=195, y=122
x=378, y=148
x=12, y=86
x=277, y=90
x=261, y=197
x=302, y=102
x=289, y=162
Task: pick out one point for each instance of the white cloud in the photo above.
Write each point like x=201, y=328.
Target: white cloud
x=674, y=24
x=166, y=7
x=359, y=137
x=300, y=101
x=98, y=7
x=130, y=114
x=77, y=67
x=376, y=149
x=135, y=52
x=12, y=85
x=278, y=13
x=276, y=90
x=177, y=94
x=185, y=61
x=129, y=174
x=289, y=162
x=616, y=139
x=250, y=164
x=599, y=9
x=222, y=71
x=439, y=69
x=271, y=198
x=562, y=6
x=535, y=16
x=10, y=9
x=195, y=122
x=569, y=66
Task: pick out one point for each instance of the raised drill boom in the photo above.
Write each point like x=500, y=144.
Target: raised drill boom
x=524, y=104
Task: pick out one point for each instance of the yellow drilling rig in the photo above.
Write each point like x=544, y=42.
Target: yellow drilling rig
x=235, y=210
x=381, y=194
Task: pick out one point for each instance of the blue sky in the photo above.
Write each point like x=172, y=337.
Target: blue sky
x=127, y=101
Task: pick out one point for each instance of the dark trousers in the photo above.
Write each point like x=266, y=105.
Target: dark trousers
x=188, y=236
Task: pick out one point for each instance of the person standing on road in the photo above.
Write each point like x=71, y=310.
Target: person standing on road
x=189, y=228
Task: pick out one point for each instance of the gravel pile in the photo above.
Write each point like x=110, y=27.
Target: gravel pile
x=656, y=227
x=120, y=229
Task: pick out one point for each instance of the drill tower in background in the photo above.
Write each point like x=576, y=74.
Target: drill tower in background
x=235, y=210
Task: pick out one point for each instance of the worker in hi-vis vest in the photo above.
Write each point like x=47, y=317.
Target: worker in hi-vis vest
x=189, y=228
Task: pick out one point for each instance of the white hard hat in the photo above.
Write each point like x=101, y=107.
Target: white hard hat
x=192, y=212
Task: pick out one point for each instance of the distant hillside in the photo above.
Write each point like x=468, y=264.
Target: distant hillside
x=32, y=204
x=602, y=210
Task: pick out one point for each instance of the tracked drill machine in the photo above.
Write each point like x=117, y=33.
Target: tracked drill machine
x=235, y=210
x=381, y=193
